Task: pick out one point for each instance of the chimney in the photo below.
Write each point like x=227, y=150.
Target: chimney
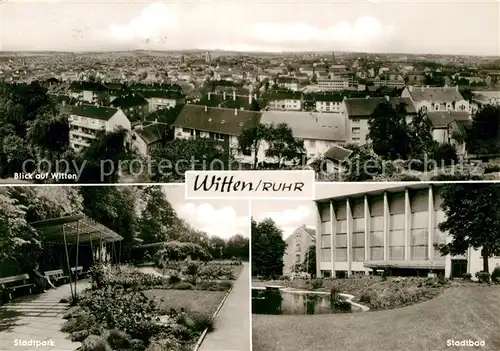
x=224, y=96
x=236, y=112
x=387, y=98
x=249, y=98
x=209, y=93
x=206, y=108
x=234, y=95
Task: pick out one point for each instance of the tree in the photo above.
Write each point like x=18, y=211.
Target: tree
x=217, y=247
x=389, y=132
x=282, y=145
x=364, y=164
x=484, y=135
x=472, y=219
x=181, y=155
x=420, y=135
x=309, y=264
x=268, y=248
x=237, y=246
x=250, y=141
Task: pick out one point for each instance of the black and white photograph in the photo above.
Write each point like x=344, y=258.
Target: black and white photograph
x=372, y=266
x=122, y=268
x=141, y=91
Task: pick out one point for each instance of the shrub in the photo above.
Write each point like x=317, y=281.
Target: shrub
x=98, y=275
x=467, y=276
x=95, y=343
x=340, y=304
x=118, y=340
x=365, y=298
x=495, y=275
x=174, y=279
x=192, y=269
x=182, y=286
x=483, y=277
x=202, y=321
x=316, y=284
x=214, y=285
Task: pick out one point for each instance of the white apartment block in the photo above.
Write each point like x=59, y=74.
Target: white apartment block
x=361, y=228
x=334, y=84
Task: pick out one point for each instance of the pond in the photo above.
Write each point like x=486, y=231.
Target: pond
x=272, y=301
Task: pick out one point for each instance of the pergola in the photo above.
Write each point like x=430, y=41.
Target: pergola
x=76, y=230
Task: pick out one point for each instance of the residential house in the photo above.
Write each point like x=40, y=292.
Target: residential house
x=359, y=110
x=319, y=131
x=386, y=226
x=436, y=98
x=232, y=101
x=146, y=139
x=283, y=100
x=483, y=98
x=86, y=121
x=298, y=244
x=87, y=91
x=133, y=105
x=290, y=83
x=447, y=125
x=221, y=124
x=159, y=99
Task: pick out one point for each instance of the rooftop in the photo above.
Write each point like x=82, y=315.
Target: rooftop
x=364, y=107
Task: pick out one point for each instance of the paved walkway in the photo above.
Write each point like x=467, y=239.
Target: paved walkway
x=37, y=318
x=232, y=324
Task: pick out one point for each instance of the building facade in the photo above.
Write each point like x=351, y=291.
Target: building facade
x=388, y=227
x=298, y=244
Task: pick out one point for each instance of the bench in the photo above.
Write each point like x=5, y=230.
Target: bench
x=79, y=272
x=57, y=276
x=14, y=283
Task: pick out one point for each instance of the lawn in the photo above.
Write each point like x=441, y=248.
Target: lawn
x=459, y=313
x=197, y=301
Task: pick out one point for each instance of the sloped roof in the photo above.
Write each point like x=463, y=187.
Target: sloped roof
x=217, y=100
x=152, y=133
x=443, y=118
x=129, y=100
x=338, y=153
x=364, y=107
x=90, y=86
x=438, y=94
x=309, y=125
x=91, y=111
x=217, y=120
x=162, y=94
x=311, y=232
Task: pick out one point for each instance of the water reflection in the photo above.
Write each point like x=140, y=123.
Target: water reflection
x=283, y=302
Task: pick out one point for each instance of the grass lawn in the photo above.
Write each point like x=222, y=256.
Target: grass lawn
x=197, y=301
x=460, y=313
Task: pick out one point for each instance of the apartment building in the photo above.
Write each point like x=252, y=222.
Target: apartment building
x=159, y=99
x=221, y=124
x=290, y=83
x=334, y=84
x=283, y=100
x=436, y=98
x=87, y=91
x=359, y=110
x=298, y=244
x=484, y=98
x=366, y=227
x=86, y=121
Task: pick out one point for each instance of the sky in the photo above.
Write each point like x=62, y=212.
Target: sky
x=223, y=218
x=288, y=215
x=417, y=26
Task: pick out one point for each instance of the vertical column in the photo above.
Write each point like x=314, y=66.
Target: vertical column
x=386, y=226
x=333, y=235
x=430, y=237
x=367, y=229
x=319, y=232
x=407, y=224
x=349, y=235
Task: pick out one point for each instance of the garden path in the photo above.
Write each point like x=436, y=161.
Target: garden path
x=37, y=318
x=232, y=323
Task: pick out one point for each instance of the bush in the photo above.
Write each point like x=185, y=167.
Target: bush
x=183, y=286
x=495, y=275
x=174, y=279
x=214, y=285
x=98, y=275
x=118, y=340
x=202, y=321
x=192, y=269
x=340, y=304
x=316, y=284
x=467, y=276
x=483, y=277
x=365, y=297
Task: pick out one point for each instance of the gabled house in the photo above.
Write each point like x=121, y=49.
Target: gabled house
x=133, y=105
x=450, y=128
x=283, y=100
x=146, y=139
x=89, y=92
x=436, y=98
x=298, y=244
x=158, y=99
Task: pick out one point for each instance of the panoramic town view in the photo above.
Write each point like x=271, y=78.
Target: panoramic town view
x=122, y=268
x=123, y=97
x=395, y=266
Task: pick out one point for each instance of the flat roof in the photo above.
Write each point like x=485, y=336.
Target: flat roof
x=77, y=229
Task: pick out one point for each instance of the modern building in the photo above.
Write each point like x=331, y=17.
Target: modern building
x=86, y=121
x=334, y=84
x=298, y=244
x=363, y=228
x=291, y=83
